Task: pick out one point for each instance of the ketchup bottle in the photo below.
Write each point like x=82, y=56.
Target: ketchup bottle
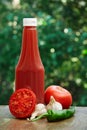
x=29, y=71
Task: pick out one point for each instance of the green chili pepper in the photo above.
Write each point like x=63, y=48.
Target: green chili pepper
x=53, y=116
x=60, y=115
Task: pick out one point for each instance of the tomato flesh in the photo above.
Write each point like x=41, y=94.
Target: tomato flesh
x=22, y=103
x=60, y=94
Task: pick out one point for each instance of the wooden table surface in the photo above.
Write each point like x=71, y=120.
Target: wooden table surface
x=78, y=122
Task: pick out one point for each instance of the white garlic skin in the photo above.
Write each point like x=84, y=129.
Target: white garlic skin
x=54, y=105
x=39, y=109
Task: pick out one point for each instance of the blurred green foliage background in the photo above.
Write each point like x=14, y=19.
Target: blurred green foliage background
x=62, y=34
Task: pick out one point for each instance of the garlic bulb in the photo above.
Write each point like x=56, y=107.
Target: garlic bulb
x=39, y=109
x=54, y=105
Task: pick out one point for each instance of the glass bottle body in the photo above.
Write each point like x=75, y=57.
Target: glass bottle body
x=30, y=70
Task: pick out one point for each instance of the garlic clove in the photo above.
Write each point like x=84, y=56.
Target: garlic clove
x=40, y=106
x=54, y=105
x=39, y=109
x=34, y=114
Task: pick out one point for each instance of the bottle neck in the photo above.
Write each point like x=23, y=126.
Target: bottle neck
x=30, y=41
x=29, y=36
x=30, y=51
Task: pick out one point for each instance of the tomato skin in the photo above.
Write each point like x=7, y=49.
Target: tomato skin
x=60, y=94
x=22, y=103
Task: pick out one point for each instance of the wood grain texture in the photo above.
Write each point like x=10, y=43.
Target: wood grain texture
x=78, y=122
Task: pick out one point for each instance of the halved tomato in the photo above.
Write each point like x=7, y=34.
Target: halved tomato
x=22, y=103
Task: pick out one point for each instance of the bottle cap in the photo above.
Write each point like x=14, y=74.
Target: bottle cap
x=29, y=22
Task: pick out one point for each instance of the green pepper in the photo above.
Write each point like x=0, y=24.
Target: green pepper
x=53, y=116
x=60, y=115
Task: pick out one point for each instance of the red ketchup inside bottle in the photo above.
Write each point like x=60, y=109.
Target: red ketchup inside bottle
x=29, y=71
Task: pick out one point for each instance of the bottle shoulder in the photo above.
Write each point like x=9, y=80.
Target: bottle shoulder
x=30, y=67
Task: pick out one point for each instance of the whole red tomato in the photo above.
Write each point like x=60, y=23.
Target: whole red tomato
x=60, y=94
